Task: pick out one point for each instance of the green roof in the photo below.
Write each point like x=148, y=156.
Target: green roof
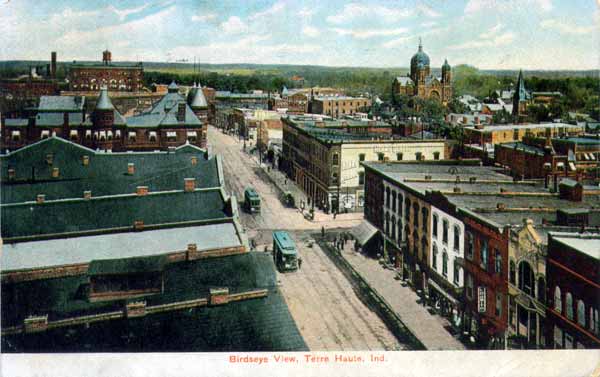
x=124, y=266
x=285, y=242
x=261, y=324
x=103, y=102
x=105, y=174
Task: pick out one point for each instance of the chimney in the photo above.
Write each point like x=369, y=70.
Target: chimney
x=87, y=195
x=501, y=206
x=40, y=198
x=130, y=168
x=53, y=64
x=34, y=324
x=85, y=160
x=135, y=309
x=141, y=190
x=11, y=174
x=457, y=190
x=106, y=57
x=65, y=120
x=218, y=296
x=138, y=225
x=55, y=172
x=181, y=112
x=189, y=184
x=194, y=160
x=190, y=251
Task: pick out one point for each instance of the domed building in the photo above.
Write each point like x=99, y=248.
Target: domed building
x=420, y=82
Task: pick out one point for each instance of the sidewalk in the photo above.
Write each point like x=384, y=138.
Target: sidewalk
x=427, y=327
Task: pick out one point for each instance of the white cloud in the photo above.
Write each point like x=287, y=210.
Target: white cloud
x=492, y=32
x=427, y=11
x=274, y=9
x=310, y=31
x=364, y=34
x=476, y=6
x=502, y=39
x=204, y=17
x=429, y=24
x=306, y=13
x=565, y=27
x=123, y=13
x=402, y=41
x=234, y=25
x=363, y=11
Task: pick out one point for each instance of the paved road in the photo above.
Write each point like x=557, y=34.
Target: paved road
x=328, y=313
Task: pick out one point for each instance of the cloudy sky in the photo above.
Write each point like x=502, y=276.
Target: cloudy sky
x=528, y=34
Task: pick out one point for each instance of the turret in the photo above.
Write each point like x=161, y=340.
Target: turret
x=199, y=105
x=103, y=120
x=446, y=72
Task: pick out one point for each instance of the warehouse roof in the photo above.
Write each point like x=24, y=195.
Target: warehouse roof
x=61, y=103
x=260, y=324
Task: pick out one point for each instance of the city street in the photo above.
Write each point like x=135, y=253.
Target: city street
x=328, y=312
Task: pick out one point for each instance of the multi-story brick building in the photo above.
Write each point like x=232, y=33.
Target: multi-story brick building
x=338, y=106
x=171, y=122
x=115, y=77
x=573, y=290
x=323, y=156
x=495, y=134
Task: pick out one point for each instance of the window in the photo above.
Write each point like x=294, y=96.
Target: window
x=387, y=197
x=434, y=228
x=434, y=257
x=557, y=300
x=152, y=136
x=436, y=155
x=513, y=273
x=425, y=218
x=406, y=209
x=445, y=231
x=335, y=160
x=393, y=227
x=569, y=305
x=498, y=304
x=418, y=156
x=445, y=264
x=399, y=204
x=394, y=201
x=416, y=215
x=470, y=246
x=541, y=290
x=399, y=230
x=526, y=278
x=361, y=178
x=581, y=313
x=469, y=279
x=387, y=223
x=380, y=156
x=361, y=157
x=484, y=255
x=593, y=323
x=497, y=262
x=456, y=237
x=171, y=136
x=334, y=178
x=399, y=156
x=456, y=272
x=16, y=136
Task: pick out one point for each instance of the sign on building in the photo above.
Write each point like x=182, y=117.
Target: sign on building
x=481, y=299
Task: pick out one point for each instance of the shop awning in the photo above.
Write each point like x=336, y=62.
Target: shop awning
x=442, y=291
x=363, y=232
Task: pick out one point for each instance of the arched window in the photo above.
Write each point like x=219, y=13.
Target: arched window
x=387, y=223
x=445, y=263
x=416, y=215
x=470, y=246
x=394, y=201
x=526, y=278
x=581, y=312
x=456, y=276
x=425, y=218
x=569, y=305
x=406, y=209
x=456, y=237
x=387, y=197
x=484, y=254
x=445, y=231
x=557, y=300
x=434, y=226
x=513, y=273
x=593, y=323
x=434, y=257
x=335, y=159
x=541, y=290
x=399, y=204
x=393, y=227
x=399, y=230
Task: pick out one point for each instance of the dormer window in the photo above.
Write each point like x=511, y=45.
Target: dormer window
x=152, y=136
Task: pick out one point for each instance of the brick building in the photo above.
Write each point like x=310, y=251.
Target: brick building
x=116, y=77
x=573, y=290
x=338, y=106
x=171, y=122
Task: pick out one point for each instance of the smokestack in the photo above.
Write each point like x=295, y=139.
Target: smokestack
x=106, y=57
x=53, y=64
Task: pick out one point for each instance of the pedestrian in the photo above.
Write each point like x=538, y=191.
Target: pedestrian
x=322, y=231
x=285, y=183
x=334, y=214
x=300, y=263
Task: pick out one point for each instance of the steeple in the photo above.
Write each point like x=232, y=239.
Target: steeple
x=104, y=102
x=420, y=44
x=520, y=97
x=199, y=100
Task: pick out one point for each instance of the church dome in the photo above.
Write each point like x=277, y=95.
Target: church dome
x=420, y=59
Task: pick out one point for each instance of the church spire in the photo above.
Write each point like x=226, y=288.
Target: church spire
x=420, y=44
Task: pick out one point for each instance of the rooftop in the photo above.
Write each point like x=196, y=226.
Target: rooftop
x=61, y=103
x=587, y=243
x=511, y=127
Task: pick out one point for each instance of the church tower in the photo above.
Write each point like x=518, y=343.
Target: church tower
x=446, y=82
x=419, y=69
x=520, y=98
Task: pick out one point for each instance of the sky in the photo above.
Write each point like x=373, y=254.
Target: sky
x=488, y=34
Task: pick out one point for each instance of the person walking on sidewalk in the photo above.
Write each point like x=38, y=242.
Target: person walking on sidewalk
x=322, y=231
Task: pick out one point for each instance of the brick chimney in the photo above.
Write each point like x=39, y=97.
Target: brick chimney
x=135, y=309
x=181, y=112
x=189, y=184
x=87, y=195
x=191, y=250
x=85, y=160
x=53, y=64
x=40, y=198
x=138, y=225
x=141, y=190
x=218, y=296
x=33, y=324
x=130, y=168
x=194, y=160
x=501, y=206
x=55, y=172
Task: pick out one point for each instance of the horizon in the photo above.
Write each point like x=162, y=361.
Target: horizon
x=533, y=35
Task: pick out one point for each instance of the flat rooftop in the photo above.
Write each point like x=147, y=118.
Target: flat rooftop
x=80, y=250
x=510, y=127
x=588, y=244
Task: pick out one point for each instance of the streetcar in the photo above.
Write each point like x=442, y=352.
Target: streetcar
x=251, y=200
x=285, y=254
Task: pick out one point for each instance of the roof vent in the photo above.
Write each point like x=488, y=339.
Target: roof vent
x=130, y=168
x=55, y=172
x=40, y=198
x=218, y=296
x=141, y=191
x=189, y=184
x=87, y=195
